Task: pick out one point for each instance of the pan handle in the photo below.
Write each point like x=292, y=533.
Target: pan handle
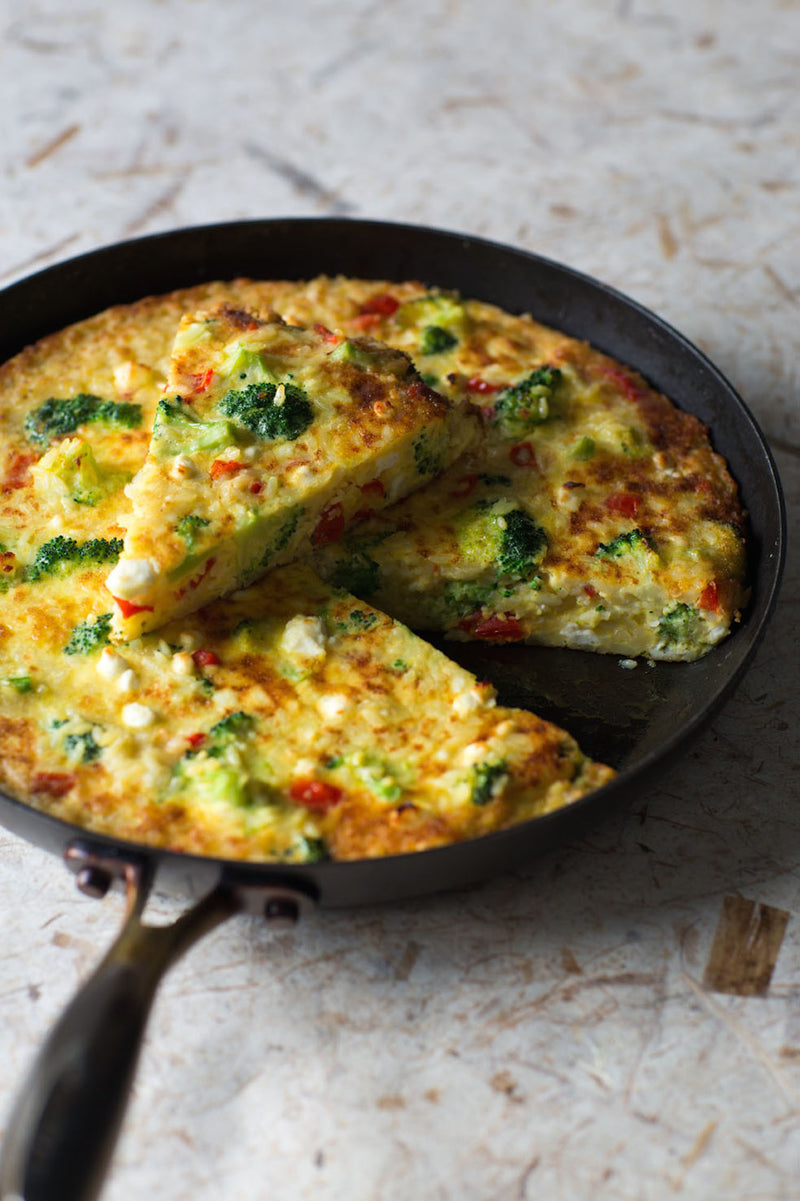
x=61, y=1134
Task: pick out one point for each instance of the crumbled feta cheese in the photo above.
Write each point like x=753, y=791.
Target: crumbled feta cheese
x=131, y=577
x=183, y=664
x=628, y=664
x=467, y=702
x=304, y=637
x=131, y=375
x=111, y=665
x=332, y=705
x=182, y=468
x=127, y=681
x=136, y=716
x=304, y=767
x=280, y=395
x=474, y=753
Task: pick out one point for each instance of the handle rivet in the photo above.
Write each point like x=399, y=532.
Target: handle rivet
x=94, y=881
x=282, y=910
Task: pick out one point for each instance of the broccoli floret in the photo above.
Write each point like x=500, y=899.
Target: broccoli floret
x=70, y=469
x=378, y=775
x=584, y=450
x=357, y=620
x=82, y=747
x=631, y=542
x=89, y=635
x=427, y=461
x=527, y=404
x=270, y=410
x=187, y=528
x=284, y=537
x=487, y=780
x=177, y=430
x=228, y=730
x=464, y=597
x=443, y=310
x=310, y=850
x=679, y=625
x=61, y=553
x=435, y=340
x=19, y=683
x=523, y=546
x=56, y=417
x=358, y=573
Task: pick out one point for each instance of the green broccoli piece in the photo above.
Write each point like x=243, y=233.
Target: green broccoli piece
x=357, y=620
x=358, y=573
x=310, y=850
x=269, y=410
x=487, y=781
x=527, y=404
x=89, y=635
x=435, y=340
x=227, y=731
x=427, y=461
x=59, y=554
x=584, y=450
x=57, y=417
x=177, y=430
x=464, y=596
x=444, y=310
x=19, y=683
x=523, y=546
x=284, y=537
x=82, y=747
x=187, y=529
x=631, y=542
x=679, y=625
x=70, y=466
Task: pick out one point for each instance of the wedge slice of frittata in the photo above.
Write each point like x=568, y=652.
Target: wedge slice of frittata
x=270, y=438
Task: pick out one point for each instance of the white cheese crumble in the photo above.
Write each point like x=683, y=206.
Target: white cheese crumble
x=136, y=716
x=474, y=753
x=467, y=702
x=304, y=637
x=332, y=705
x=628, y=664
x=183, y=664
x=182, y=468
x=127, y=681
x=110, y=665
x=131, y=577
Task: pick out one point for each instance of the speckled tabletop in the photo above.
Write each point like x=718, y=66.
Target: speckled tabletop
x=558, y=1033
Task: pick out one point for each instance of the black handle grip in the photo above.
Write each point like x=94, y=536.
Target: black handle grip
x=62, y=1133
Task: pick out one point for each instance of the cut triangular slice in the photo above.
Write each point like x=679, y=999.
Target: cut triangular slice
x=270, y=438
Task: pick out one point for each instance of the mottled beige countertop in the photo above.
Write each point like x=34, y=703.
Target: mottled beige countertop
x=557, y=1033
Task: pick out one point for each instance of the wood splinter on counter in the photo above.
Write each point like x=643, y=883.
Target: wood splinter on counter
x=746, y=944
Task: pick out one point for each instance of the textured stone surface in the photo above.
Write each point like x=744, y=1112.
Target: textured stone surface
x=549, y=1034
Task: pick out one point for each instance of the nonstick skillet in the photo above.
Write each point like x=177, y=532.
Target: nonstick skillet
x=61, y=1134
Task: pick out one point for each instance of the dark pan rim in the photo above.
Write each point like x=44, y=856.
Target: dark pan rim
x=501, y=847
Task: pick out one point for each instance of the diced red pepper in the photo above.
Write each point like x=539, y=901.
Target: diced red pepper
x=327, y=334
x=590, y=591
x=522, y=455
x=495, y=628
x=256, y=487
x=626, y=503
x=197, y=580
x=195, y=739
x=204, y=658
x=330, y=526
x=200, y=382
x=224, y=467
x=373, y=488
x=365, y=321
x=465, y=486
x=54, y=783
x=315, y=794
x=476, y=384
x=383, y=303
x=129, y=608
x=629, y=388
x=709, y=597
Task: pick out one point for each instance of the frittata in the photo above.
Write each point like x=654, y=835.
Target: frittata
x=270, y=439
x=287, y=722
x=593, y=514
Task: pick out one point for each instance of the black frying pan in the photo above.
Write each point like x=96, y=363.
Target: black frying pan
x=61, y=1134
